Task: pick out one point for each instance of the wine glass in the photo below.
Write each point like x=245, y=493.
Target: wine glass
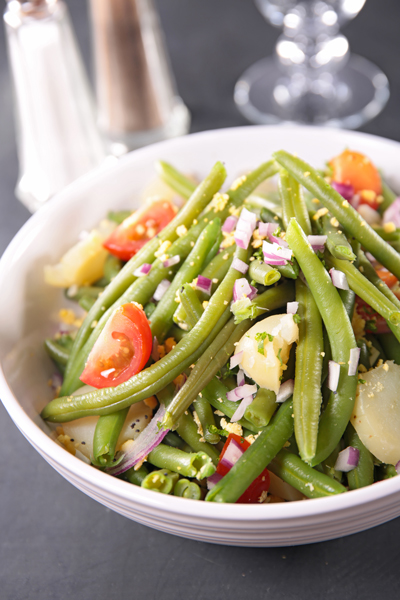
x=312, y=78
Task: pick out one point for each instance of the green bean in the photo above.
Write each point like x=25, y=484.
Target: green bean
x=263, y=273
x=112, y=267
x=206, y=417
x=261, y=410
x=86, y=302
x=304, y=478
x=162, y=481
x=336, y=241
x=191, y=305
x=388, y=197
x=290, y=270
x=199, y=199
x=337, y=413
x=136, y=476
x=363, y=474
x=369, y=293
x=105, y=438
x=387, y=471
x=197, y=464
x=256, y=458
x=364, y=354
x=215, y=392
x=149, y=309
x=350, y=219
x=118, y=216
x=161, y=319
x=369, y=272
x=388, y=236
x=57, y=353
x=187, y=489
x=307, y=396
x=173, y=439
x=91, y=291
x=214, y=248
x=187, y=428
x=328, y=465
x=293, y=204
x=175, y=179
x=391, y=346
x=326, y=358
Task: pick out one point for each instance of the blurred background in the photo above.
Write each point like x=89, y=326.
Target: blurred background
x=56, y=542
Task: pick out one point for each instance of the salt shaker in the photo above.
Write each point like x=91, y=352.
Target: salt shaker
x=136, y=93
x=58, y=139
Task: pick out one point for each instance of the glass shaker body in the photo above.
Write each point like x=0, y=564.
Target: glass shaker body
x=136, y=95
x=57, y=134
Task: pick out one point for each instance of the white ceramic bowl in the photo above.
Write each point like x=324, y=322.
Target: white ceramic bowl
x=27, y=315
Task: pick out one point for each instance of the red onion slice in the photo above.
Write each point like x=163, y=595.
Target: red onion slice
x=397, y=467
x=161, y=289
x=276, y=250
x=213, y=480
x=344, y=189
x=347, y=459
x=240, y=378
x=285, y=391
x=229, y=224
x=248, y=217
x=239, y=265
x=392, y=214
x=317, y=242
x=239, y=412
x=204, y=284
x=235, y=359
x=371, y=216
x=292, y=308
x=170, y=262
x=232, y=453
x=146, y=441
x=333, y=375
x=274, y=262
x=339, y=279
x=353, y=361
x=241, y=392
x=242, y=239
x=242, y=289
x=143, y=270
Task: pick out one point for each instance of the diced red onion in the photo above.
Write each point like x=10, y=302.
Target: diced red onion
x=248, y=217
x=235, y=359
x=344, y=189
x=339, y=279
x=333, y=375
x=242, y=239
x=241, y=392
x=285, y=391
x=244, y=228
x=240, y=378
x=229, y=224
x=242, y=289
x=204, y=284
x=347, y=459
x=155, y=355
x=278, y=262
x=292, y=308
x=239, y=412
x=353, y=361
x=392, y=214
x=143, y=270
x=276, y=250
x=264, y=229
x=146, y=441
x=397, y=467
x=232, y=453
x=268, y=230
x=161, y=289
x=213, y=480
x=371, y=216
x=170, y=262
x=239, y=265
x=317, y=242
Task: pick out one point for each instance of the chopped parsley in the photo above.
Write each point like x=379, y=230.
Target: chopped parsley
x=279, y=356
x=214, y=429
x=296, y=318
x=260, y=337
x=361, y=381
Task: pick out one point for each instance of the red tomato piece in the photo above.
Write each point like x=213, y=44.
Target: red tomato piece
x=356, y=169
x=387, y=277
x=140, y=227
x=374, y=323
x=260, y=484
x=121, y=350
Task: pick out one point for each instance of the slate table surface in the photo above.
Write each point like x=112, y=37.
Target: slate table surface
x=55, y=542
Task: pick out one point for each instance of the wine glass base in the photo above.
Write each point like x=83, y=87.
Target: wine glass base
x=347, y=99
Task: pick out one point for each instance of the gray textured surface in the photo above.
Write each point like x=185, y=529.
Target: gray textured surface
x=57, y=543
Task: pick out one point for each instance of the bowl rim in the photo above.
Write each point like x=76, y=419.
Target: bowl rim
x=122, y=489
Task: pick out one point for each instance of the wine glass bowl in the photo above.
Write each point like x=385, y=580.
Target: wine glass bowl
x=312, y=77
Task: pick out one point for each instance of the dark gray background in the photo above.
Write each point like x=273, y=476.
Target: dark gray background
x=57, y=543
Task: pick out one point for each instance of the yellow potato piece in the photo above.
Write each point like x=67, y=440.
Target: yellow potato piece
x=82, y=264
x=266, y=369
x=376, y=414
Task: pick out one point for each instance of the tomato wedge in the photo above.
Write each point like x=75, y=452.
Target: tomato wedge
x=356, y=169
x=231, y=452
x=387, y=277
x=137, y=229
x=121, y=350
x=374, y=323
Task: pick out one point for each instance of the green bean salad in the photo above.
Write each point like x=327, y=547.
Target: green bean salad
x=239, y=345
